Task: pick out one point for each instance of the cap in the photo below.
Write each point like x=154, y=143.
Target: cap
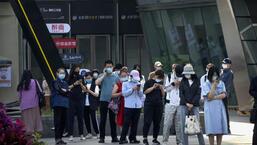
x=188, y=70
x=158, y=64
x=135, y=75
x=226, y=61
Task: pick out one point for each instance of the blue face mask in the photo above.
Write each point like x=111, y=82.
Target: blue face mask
x=88, y=81
x=61, y=76
x=123, y=79
x=108, y=70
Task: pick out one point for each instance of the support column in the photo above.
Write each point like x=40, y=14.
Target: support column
x=236, y=53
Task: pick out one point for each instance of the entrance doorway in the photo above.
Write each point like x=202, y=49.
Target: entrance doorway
x=95, y=49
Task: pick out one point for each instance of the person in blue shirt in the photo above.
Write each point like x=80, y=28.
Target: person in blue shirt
x=60, y=103
x=107, y=80
x=215, y=117
x=133, y=104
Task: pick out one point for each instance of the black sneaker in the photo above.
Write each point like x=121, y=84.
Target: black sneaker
x=156, y=142
x=123, y=142
x=134, y=141
x=101, y=141
x=61, y=142
x=115, y=140
x=145, y=142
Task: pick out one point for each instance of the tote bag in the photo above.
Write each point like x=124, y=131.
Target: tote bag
x=192, y=125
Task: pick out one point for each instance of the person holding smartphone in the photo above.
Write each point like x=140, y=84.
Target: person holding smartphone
x=133, y=104
x=153, y=106
x=91, y=92
x=76, y=101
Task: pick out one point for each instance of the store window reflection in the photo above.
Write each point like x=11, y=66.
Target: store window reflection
x=184, y=35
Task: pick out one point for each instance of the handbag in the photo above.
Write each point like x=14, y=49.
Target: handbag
x=192, y=125
x=41, y=95
x=114, y=105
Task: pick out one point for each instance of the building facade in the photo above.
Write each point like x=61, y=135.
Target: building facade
x=143, y=31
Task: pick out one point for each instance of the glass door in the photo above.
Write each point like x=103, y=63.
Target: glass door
x=95, y=49
x=134, y=52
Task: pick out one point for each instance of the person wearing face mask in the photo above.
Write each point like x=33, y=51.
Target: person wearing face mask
x=117, y=69
x=227, y=76
x=95, y=73
x=214, y=110
x=91, y=91
x=153, y=106
x=117, y=94
x=157, y=66
x=76, y=101
x=204, y=78
x=133, y=104
x=107, y=81
x=60, y=103
x=189, y=93
x=172, y=100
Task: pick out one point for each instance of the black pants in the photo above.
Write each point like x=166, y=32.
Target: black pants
x=76, y=109
x=225, y=101
x=89, y=113
x=152, y=113
x=103, y=116
x=131, y=117
x=60, y=114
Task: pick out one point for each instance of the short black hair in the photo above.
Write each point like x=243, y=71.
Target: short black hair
x=108, y=62
x=212, y=71
x=118, y=66
x=160, y=74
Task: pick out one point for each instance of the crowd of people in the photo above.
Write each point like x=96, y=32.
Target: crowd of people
x=125, y=94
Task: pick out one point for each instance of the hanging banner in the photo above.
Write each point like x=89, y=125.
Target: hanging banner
x=64, y=43
x=58, y=28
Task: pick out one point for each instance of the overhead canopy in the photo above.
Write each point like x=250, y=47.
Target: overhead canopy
x=5, y=61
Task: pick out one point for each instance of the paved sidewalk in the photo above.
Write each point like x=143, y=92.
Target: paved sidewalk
x=241, y=135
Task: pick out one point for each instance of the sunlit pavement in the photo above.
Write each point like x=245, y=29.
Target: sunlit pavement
x=241, y=135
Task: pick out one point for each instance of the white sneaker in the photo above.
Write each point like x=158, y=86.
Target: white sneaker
x=97, y=136
x=71, y=138
x=82, y=137
x=89, y=136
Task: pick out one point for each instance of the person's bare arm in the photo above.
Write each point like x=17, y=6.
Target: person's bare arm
x=114, y=91
x=100, y=79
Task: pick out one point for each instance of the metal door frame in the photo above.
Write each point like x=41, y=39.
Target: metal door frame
x=124, y=56
x=92, y=46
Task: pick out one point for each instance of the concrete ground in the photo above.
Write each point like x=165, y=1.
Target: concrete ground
x=240, y=128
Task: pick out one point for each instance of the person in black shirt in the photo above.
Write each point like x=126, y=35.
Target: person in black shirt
x=76, y=101
x=253, y=93
x=189, y=93
x=153, y=107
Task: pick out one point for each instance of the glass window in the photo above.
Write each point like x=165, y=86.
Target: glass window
x=240, y=8
x=184, y=35
x=250, y=51
x=246, y=29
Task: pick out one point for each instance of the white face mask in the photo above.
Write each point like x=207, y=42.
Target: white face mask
x=188, y=76
x=158, y=80
x=95, y=75
x=123, y=79
x=214, y=78
x=224, y=66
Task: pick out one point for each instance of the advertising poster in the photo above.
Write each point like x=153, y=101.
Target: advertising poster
x=5, y=76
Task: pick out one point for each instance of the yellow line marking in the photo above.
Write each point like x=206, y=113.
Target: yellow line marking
x=35, y=36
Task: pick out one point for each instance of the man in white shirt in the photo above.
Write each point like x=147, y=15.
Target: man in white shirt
x=172, y=103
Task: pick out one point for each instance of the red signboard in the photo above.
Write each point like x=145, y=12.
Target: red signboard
x=63, y=43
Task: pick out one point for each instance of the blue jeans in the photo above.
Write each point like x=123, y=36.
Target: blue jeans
x=183, y=111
